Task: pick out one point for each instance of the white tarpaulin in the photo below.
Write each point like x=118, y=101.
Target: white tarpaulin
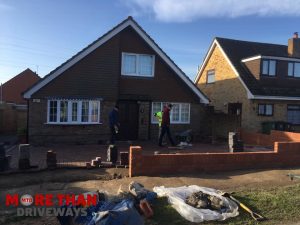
x=177, y=197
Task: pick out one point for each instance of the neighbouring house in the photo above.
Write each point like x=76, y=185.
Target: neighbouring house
x=12, y=90
x=258, y=81
x=13, y=107
x=124, y=66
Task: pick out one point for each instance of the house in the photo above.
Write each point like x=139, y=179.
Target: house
x=125, y=67
x=11, y=91
x=258, y=81
x=13, y=107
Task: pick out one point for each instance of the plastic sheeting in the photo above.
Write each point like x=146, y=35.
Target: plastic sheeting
x=177, y=196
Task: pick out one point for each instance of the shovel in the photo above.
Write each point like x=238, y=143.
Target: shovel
x=254, y=215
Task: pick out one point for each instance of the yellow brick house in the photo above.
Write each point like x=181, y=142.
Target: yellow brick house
x=258, y=81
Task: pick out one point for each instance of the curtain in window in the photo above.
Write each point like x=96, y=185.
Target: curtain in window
x=129, y=64
x=85, y=111
x=146, y=65
x=95, y=108
x=63, y=111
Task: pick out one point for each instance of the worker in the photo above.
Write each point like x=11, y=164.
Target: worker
x=114, y=124
x=158, y=116
x=165, y=125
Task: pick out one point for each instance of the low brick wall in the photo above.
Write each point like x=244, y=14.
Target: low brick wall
x=268, y=140
x=285, y=154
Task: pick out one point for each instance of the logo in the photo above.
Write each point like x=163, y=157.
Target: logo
x=52, y=205
x=26, y=200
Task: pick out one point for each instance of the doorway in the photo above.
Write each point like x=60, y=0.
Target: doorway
x=128, y=117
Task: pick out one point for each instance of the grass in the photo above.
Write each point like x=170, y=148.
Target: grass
x=279, y=205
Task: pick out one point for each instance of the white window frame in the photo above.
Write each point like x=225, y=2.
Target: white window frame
x=79, y=111
x=265, y=109
x=137, y=65
x=293, y=69
x=290, y=109
x=155, y=121
x=210, y=73
x=268, y=74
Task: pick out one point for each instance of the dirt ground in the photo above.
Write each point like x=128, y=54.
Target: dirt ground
x=77, y=155
x=79, y=181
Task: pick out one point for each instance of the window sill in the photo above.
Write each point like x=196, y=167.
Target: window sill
x=267, y=76
x=73, y=124
x=265, y=115
x=136, y=76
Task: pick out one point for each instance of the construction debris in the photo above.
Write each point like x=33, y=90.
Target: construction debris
x=197, y=204
x=127, y=208
x=51, y=160
x=235, y=145
x=293, y=176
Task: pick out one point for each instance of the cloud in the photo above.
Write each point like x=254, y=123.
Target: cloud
x=189, y=10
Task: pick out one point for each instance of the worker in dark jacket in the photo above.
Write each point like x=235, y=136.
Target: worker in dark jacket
x=114, y=124
x=165, y=125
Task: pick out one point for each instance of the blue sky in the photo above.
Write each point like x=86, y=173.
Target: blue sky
x=42, y=34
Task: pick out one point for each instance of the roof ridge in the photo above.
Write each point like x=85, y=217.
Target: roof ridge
x=251, y=42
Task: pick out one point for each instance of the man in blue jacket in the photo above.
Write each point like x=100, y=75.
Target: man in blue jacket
x=114, y=123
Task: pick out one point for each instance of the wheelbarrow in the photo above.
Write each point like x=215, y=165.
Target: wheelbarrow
x=185, y=136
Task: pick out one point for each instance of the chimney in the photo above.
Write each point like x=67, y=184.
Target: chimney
x=294, y=46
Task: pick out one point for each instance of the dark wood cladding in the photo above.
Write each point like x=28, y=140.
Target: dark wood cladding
x=281, y=80
x=99, y=75
x=254, y=67
x=96, y=75
x=165, y=85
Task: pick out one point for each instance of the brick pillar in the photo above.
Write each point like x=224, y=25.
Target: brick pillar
x=135, y=160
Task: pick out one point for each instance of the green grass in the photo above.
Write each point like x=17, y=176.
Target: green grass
x=279, y=205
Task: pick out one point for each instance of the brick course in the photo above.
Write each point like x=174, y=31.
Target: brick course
x=285, y=154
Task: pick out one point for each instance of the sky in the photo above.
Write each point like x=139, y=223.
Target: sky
x=42, y=34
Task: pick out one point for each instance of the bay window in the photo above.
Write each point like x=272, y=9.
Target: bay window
x=73, y=111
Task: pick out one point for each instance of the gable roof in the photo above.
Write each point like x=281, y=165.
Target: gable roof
x=12, y=90
x=236, y=50
x=107, y=36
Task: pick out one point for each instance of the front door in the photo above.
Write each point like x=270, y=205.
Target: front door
x=128, y=116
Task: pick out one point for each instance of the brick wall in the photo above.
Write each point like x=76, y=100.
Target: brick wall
x=41, y=133
x=269, y=140
x=227, y=88
x=284, y=155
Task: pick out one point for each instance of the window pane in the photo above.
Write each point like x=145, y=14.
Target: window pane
x=53, y=111
x=265, y=67
x=146, y=65
x=185, y=112
x=175, y=113
x=272, y=67
x=269, y=110
x=290, y=69
x=156, y=107
x=293, y=116
x=95, y=109
x=297, y=70
x=210, y=76
x=63, y=111
x=85, y=111
x=129, y=64
x=261, y=109
x=74, y=111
